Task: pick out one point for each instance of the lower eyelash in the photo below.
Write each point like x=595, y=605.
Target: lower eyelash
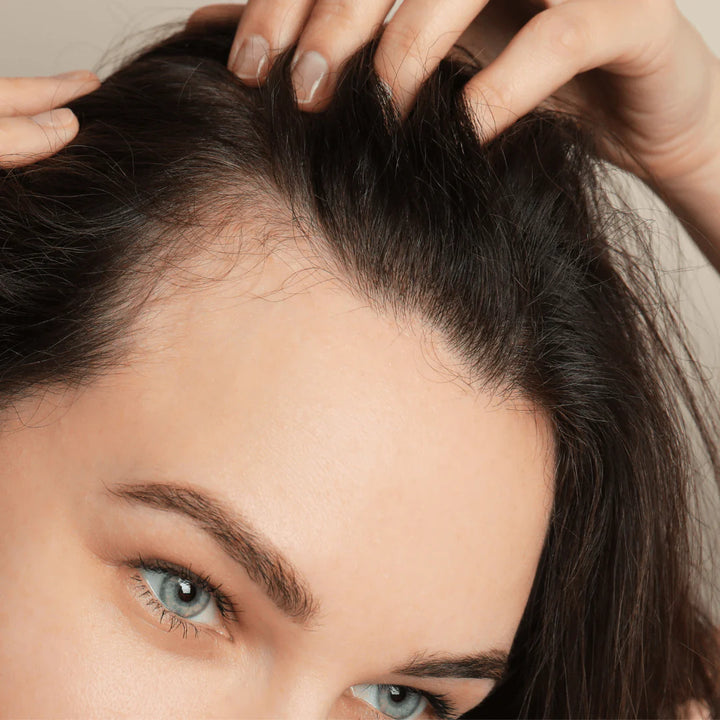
x=174, y=621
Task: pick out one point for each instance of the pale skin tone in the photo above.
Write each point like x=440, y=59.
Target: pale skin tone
x=413, y=509
x=333, y=455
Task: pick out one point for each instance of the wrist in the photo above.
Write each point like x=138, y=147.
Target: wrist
x=695, y=158
x=695, y=199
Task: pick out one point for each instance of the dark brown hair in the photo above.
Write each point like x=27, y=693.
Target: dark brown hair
x=512, y=249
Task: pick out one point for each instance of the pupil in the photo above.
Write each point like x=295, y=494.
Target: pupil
x=186, y=591
x=398, y=694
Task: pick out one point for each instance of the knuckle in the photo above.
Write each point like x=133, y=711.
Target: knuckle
x=335, y=8
x=563, y=32
x=340, y=14
x=335, y=27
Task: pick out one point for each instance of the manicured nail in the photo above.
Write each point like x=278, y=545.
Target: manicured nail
x=55, y=119
x=250, y=60
x=308, y=72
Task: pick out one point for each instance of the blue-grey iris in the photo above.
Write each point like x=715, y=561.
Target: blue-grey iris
x=180, y=596
x=395, y=701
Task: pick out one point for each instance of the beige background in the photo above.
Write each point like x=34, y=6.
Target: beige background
x=40, y=37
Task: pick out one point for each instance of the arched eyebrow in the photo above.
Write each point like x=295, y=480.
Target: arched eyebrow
x=488, y=665
x=264, y=564
x=280, y=579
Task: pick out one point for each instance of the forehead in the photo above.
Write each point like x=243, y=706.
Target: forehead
x=345, y=439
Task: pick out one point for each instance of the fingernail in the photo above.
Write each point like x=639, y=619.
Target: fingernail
x=54, y=119
x=249, y=61
x=308, y=72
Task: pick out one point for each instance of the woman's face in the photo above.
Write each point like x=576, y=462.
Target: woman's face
x=371, y=521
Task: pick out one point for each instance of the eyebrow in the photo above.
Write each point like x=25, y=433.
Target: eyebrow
x=489, y=665
x=282, y=582
x=264, y=564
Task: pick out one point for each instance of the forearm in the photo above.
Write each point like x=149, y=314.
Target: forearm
x=692, y=192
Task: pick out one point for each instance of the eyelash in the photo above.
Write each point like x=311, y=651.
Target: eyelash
x=440, y=703
x=225, y=605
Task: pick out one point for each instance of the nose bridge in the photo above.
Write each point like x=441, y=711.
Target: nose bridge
x=300, y=696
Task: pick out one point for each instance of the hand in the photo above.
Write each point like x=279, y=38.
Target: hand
x=30, y=127
x=655, y=102
x=635, y=71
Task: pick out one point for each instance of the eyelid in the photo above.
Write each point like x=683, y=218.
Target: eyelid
x=228, y=608
x=226, y=605
x=440, y=704
x=161, y=612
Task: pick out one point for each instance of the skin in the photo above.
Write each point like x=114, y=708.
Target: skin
x=413, y=506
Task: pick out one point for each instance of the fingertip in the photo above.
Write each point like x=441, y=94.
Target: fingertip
x=310, y=73
x=93, y=78
x=482, y=116
x=250, y=59
x=85, y=80
x=76, y=75
x=60, y=125
x=491, y=113
x=401, y=96
x=402, y=102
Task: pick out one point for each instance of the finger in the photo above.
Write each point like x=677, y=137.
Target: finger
x=553, y=47
x=29, y=96
x=24, y=140
x=214, y=14
x=420, y=35
x=335, y=29
x=267, y=27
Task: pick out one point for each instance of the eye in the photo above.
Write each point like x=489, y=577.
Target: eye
x=181, y=596
x=182, y=599
x=395, y=701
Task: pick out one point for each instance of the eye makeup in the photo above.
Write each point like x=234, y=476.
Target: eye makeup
x=178, y=597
